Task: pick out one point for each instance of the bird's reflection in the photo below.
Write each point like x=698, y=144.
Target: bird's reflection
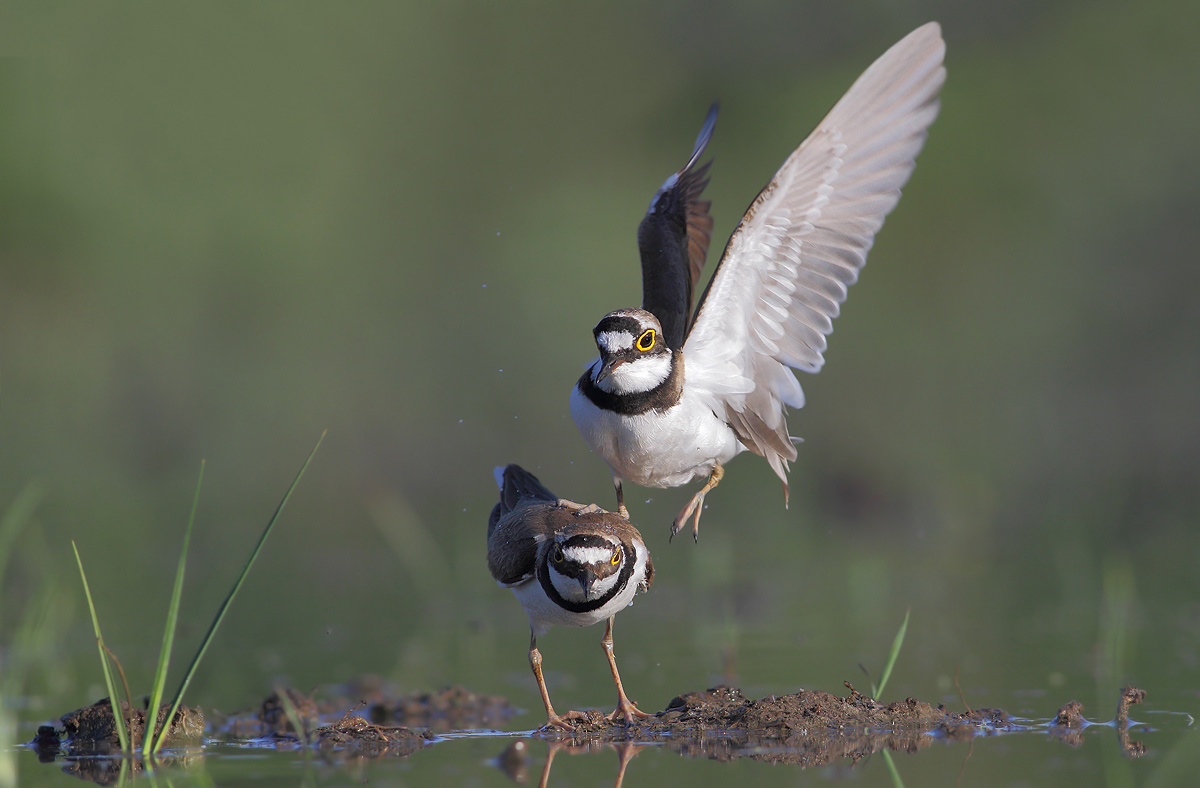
x=514, y=761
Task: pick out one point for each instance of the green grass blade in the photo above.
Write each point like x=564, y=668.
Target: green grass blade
x=168, y=641
x=891, y=660
x=293, y=716
x=187, y=679
x=893, y=772
x=118, y=716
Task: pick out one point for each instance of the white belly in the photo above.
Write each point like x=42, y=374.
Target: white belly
x=656, y=449
x=543, y=613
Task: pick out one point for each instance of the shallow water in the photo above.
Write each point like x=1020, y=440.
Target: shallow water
x=1024, y=631
x=1145, y=744
x=1171, y=756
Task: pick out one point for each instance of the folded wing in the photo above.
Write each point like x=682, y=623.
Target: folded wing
x=516, y=525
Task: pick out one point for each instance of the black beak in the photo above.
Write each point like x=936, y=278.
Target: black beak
x=611, y=363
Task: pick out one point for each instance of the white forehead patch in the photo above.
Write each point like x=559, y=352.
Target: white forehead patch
x=614, y=341
x=588, y=555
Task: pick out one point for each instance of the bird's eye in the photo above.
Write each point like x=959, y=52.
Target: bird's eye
x=646, y=340
x=557, y=556
x=616, y=559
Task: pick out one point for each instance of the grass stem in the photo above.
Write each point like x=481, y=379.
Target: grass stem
x=168, y=641
x=891, y=660
x=187, y=679
x=118, y=713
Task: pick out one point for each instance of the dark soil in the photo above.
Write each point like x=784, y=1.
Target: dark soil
x=271, y=717
x=808, y=728
x=354, y=735
x=450, y=709
x=812, y=727
x=92, y=730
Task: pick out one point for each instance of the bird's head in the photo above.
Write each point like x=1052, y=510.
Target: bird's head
x=633, y=354
x=585, y=567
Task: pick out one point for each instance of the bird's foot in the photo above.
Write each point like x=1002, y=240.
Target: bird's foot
x=564, y=721
x=627, y=712
x=692, y=511
x=579, y=508
x=696, y=505
x=621, y=510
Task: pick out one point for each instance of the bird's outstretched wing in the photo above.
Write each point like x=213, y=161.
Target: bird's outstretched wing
x=786, y=267
x=673, y=240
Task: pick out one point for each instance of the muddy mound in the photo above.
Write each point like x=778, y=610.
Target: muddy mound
x=812, y=727
x=92, y=730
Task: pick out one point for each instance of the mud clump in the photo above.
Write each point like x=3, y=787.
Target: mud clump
x=1068, y=725
x=1070, y=715
x=374, y=734
x=92, y=730
x=449, y=709
x=1129, y=696
x=807, y=728
x=354, y=735
x=272, y=717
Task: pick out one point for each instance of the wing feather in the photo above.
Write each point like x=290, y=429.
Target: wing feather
x=516, y=525
x=673, y=241
x=787, y=266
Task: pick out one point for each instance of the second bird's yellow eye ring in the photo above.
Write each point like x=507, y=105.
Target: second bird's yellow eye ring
x=616, y=559
x=646, y=340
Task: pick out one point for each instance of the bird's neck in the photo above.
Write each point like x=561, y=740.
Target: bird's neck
x=657, y=387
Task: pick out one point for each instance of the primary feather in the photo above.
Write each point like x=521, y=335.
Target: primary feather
x=801, y=244
x=673, y=241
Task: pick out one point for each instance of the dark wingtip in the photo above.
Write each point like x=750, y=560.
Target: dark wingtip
x=704, y=136
x=518, y=484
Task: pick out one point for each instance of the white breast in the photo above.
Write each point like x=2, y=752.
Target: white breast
x=657, y=449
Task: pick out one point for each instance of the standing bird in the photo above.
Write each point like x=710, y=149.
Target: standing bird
x=568, y=564
x=673, y=397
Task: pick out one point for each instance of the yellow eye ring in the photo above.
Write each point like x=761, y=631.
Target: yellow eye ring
x=646, y=340
x=557, y=555
x=616, y=559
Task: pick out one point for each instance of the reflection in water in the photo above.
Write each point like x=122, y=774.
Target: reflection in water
x=809, y=728
x=1069, y=724
x=805, y=729
x=514, y=760
x=115, y=769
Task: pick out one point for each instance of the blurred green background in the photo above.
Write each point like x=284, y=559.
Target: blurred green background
x=225, y=229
